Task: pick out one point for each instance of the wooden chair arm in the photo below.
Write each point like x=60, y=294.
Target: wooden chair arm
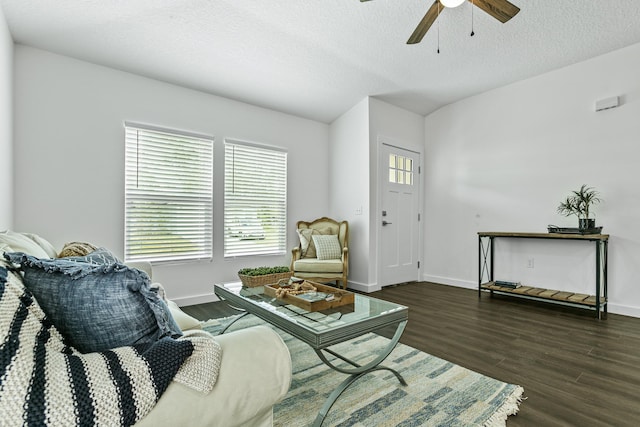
x=295, y=255
x=345, y=262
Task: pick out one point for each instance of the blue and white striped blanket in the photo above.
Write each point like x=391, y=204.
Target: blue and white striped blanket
x=45, y=382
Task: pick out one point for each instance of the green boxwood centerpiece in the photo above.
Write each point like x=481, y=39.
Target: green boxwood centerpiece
x=260, y=276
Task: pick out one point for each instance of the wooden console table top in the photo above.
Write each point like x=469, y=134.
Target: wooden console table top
x=567, y=236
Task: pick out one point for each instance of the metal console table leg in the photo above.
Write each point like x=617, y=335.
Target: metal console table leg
x=357, y=372
x=485, y=261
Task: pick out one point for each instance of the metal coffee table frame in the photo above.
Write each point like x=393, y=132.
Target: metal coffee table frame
x=256, y=303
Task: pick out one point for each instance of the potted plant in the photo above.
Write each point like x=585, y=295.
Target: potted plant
x=579, y=204
x=259, y=276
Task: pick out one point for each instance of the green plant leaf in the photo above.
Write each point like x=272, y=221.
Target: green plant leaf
x=580, y=202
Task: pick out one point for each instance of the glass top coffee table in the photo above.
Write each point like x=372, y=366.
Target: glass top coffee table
x=323, y=329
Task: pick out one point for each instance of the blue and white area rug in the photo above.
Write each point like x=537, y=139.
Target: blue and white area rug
x=439, y=393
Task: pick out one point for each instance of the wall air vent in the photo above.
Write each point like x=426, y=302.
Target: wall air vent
x=608, y=103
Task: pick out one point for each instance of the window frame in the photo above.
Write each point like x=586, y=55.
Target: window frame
x=190, y=213
x=269, y=218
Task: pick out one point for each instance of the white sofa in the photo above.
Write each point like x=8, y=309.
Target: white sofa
x=255, y=369
x=254, y=375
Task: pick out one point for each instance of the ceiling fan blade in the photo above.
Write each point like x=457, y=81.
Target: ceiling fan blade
x=502, y=10
x=426, y=23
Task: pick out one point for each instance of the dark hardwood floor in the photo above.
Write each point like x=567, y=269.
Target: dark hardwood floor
x=575, y=370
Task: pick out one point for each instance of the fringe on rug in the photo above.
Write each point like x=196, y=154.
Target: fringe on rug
x=510, y=406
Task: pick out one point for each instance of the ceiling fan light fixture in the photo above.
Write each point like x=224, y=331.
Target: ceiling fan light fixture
x=451, y=3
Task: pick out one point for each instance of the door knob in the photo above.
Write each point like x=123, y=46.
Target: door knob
x=386, y=223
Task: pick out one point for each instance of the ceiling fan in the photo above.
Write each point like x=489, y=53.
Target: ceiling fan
x=502, y=10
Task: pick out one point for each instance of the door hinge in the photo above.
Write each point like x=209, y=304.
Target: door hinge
x=419, y=170
x=418, y=264
x=418, y=217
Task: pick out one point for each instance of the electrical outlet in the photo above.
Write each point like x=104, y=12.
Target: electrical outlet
x=530, y=263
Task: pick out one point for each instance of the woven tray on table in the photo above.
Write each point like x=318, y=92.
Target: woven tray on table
x=265, y=279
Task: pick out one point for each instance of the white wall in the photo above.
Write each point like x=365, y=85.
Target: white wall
x=498, y=161
x=503, y=161
x=404, y=129
x=6, y=125
x=354, y=140
x=349, y=185
x=69, y=156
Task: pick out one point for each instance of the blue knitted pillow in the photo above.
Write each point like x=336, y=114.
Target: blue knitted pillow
x=96, y=302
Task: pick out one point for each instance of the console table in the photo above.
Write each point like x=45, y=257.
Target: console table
x=597, y=301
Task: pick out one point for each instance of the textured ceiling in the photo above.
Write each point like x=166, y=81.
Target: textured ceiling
x=318, y=58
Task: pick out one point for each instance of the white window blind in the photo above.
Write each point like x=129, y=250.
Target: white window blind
x=168, y=195
x=255, y=200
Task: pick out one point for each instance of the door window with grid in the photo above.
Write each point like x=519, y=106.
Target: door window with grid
x=400, y=169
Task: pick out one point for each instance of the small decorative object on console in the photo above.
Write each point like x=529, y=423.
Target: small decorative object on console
x=573, y=230
x=507, y=284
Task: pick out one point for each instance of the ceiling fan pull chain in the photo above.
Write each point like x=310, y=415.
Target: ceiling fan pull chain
x=438, y=18
x=472, y=6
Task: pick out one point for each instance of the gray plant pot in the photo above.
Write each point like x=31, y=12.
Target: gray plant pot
x=586, y=223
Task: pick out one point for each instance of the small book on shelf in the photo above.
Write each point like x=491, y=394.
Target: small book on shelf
x=506, y=284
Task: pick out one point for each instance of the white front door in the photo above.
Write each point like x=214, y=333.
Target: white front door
x=399, y=216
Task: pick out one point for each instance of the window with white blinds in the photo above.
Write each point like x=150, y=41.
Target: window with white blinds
x=255, y=200
x=168, y=195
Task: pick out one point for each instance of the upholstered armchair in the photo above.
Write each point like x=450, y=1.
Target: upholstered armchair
x=323, y=252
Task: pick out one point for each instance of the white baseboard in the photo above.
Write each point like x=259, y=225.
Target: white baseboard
x=364, y=287
x=211, y=297
x=624, y=310
x=449, y=281
x=195, y=299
